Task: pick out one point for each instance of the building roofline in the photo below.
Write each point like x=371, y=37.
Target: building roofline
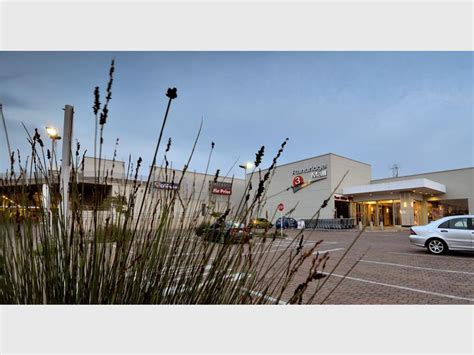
x=318, y=156
x=419, y=174
x=192, y=172
x=116, y=160
x=188, y=172
x=343, y=157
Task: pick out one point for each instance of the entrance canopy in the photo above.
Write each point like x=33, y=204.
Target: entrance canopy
x=414, y=185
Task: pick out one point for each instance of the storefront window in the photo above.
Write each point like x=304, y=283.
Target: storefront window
x=442, y=208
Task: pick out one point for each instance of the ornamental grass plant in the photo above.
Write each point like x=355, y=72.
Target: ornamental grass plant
x=126, y=249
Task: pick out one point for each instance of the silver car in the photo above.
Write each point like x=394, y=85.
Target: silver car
x=442, y=235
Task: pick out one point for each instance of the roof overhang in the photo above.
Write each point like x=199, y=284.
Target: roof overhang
x=413, y=185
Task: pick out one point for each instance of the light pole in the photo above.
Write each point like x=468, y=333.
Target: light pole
x=53, y=134
x=6, y=133
x=247, y=166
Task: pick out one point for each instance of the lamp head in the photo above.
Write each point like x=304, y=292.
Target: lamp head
x=53, y=133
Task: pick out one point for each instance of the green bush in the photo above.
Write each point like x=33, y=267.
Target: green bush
x=201, y=228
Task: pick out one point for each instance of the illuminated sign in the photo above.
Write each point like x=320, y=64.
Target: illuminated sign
x=220, y=188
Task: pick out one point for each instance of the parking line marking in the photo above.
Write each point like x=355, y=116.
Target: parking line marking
x=269, y=298
x=325, y=251
x=417, y=267
x=403, y=288
x=289, y=241
x=427, y=255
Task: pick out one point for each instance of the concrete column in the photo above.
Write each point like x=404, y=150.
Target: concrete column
x=394, y=211
x=352, y=210
x=424, y=212
x=377, y=217
x=406, y=206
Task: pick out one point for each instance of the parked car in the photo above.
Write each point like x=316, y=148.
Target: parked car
x=227, y=232
x=260, y=223
x=288, y=223
x=442, y=235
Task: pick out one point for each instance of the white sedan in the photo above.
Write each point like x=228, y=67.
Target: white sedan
x=448, y=233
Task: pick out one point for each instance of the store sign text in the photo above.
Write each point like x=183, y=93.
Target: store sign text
x=163, y=185
x=220, y=188
x=317, y=171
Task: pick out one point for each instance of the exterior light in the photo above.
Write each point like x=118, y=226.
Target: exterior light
x=52, y=133
x=247, y=166
x=386, y=210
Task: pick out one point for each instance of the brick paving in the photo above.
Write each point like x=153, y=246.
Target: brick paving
x=393, y=271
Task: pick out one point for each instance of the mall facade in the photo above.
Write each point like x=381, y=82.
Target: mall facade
x=302, y=186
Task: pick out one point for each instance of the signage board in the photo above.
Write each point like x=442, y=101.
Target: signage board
x=298, y=180
x=164, y=185
x=316, y=170
x=220, y=188
x=341, y=198
x=317, y=173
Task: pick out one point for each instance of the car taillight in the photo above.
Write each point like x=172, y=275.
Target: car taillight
x=412, y=232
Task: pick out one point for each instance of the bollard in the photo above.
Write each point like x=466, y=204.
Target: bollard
x=381, y=225
x=360, y=225
x=371, y=225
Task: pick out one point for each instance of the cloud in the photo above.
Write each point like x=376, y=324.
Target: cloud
x=13, y=101
x=10, y=76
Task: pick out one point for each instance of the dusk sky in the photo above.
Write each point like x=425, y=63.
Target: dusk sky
x=410, y=108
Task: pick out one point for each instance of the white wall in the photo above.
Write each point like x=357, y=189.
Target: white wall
x=309, y=199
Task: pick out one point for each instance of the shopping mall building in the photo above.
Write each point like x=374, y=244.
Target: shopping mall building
x=404, y=200
x=301, y=187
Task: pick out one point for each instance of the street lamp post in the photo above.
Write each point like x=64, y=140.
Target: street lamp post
x=247, y=166
x=53, y=134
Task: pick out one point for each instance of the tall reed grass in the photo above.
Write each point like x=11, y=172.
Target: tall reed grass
x=127, y=249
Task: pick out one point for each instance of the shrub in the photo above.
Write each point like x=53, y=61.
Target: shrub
x=201, y=228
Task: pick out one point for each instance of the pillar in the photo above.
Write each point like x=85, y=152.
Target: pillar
x=377, y=217
x=406, y=207
x=424, y=212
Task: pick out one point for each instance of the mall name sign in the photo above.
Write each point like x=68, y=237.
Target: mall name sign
x=317, y=171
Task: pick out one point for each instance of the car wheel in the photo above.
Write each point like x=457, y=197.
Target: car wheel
x=436, y=246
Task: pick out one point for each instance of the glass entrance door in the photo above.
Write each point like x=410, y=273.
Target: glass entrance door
x=388, y=212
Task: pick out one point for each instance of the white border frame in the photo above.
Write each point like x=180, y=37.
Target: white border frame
x=232, y=25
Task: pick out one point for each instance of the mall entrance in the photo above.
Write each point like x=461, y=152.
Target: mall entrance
x=385, y=212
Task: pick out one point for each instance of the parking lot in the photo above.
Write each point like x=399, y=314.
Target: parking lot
x=387, y=269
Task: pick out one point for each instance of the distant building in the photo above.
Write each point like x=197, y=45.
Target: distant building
x=404, y=200
x=301, y=187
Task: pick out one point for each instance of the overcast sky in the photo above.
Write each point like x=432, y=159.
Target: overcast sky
x=410, y=108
